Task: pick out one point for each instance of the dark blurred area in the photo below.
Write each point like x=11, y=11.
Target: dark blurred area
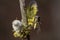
x=49, y=11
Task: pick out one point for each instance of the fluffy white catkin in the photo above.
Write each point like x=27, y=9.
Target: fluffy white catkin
x=17, y=25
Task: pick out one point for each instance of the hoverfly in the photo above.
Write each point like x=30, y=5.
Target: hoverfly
x=28, y=22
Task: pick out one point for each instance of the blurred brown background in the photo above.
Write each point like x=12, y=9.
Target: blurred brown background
x=49, y=11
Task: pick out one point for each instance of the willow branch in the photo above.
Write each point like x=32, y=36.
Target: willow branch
x=23, y=14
